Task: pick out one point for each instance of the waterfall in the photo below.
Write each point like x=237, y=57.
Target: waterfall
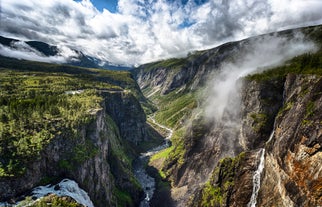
x=65, y=188
x=271, y=137
x=257, y=179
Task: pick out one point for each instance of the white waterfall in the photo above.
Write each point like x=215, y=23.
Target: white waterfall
x=271, y=137
x=257, y=179
x=65, y=188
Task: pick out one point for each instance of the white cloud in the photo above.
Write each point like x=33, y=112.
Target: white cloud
x=146, y=30
x=263, y=52
x=21, y=50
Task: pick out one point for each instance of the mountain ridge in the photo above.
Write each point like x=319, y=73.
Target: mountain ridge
x=260, y=138
x=78, y=58
x=194, y=164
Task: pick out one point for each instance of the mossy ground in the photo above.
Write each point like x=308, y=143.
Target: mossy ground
x=216, y=190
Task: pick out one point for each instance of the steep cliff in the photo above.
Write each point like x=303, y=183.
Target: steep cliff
x=291, y=176
x=271, y=141
x=83, y=157
x=56, y=124
x=294, y=153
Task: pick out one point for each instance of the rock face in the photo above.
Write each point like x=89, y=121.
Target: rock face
x=93, y=174
x=292, y=172
x=281, y=114
x=190, y=73
x=128, y=115
x=260, y=105
x=294, y=154
x=85, y=156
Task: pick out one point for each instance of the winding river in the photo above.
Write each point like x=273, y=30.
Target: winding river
x=147, y=182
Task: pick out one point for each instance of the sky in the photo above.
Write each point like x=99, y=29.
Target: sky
x=133, y=32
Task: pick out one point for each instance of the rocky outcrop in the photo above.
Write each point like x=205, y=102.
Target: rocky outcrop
x=260, y=104
x=229, y=184
x=85, y=155
x=127, y=113
x=192, y=72
x=81, y=157
x=292, y=171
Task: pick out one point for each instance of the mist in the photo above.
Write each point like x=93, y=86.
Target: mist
x=262, y=53
x=21, y=50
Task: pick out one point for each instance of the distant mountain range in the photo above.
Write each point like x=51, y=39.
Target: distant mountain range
x=43, y=52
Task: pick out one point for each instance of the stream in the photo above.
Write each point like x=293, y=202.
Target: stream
x=147, y=182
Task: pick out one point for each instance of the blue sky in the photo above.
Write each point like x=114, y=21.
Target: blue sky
x=110, y=5
x=139, y=31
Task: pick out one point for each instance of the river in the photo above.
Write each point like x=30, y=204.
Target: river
x=147, y=182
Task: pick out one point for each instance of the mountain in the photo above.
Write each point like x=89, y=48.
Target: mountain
x=247, y=122
x=235, y=125
x=49, y=53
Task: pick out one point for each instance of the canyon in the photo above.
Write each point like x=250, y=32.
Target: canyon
x=244, y=123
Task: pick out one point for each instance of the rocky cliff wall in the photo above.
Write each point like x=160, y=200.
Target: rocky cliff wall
x=191, y=74
x=80, y=156
x=292, y=175
x=196, y=156
x=127, y=113
x=84, y=155
x=286, y=122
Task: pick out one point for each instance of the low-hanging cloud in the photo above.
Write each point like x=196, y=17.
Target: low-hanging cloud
x=143, y=31
x=22, y=50
x=263, y=52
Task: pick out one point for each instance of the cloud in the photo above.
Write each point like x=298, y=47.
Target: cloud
x=263, y=52
x=22, y=50
x=146, y=30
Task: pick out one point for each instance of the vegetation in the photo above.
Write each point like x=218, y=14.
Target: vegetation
x=309, y=63
x=123, y=197
x=87, y=77
x=216, y=190
x=50, y=200
x=162, y=154
x=174, y=107
x=171, y=63
x=39, y=101
x=260, y=121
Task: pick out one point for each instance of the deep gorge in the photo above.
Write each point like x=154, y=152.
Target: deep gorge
x=264, y=149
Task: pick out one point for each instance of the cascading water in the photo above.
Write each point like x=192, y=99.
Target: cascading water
x=270, y=137
x=65, y=188
x=147, y=182
x=257, y=178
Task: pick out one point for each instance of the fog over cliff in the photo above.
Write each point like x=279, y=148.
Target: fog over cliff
x=262, y=53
